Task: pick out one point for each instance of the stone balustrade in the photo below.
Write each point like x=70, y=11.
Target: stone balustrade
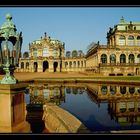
x=57, y=120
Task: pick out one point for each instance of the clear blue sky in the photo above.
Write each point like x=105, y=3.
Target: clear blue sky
x=76, y=26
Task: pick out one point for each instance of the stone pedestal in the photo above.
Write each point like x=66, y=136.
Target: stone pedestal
x=12, y=109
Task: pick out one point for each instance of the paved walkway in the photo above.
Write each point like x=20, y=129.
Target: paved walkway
x=33, y=75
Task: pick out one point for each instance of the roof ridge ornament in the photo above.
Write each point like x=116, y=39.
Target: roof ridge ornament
x=122, y=20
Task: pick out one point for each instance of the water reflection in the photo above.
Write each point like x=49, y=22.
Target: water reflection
x=99, y=107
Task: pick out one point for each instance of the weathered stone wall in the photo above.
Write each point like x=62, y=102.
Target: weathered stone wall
x=58, y=120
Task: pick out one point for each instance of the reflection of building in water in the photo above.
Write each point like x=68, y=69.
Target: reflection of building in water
x=125, y=111
x=42, y=93
x=39, y=95
x=106, y=92
x=75, y=90
x=12, y=108
x=123, y=101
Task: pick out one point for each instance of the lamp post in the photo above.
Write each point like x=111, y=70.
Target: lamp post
x=10, y=49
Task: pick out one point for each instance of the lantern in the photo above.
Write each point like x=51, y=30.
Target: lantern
x=10, y=49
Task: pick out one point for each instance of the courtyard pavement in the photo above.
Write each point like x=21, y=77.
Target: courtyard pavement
x=32, y=75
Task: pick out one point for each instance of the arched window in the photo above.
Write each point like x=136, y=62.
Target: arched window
x=35, y=52
x=78, y=64
x=122, y=90
x=27, y=65
x=22, y=65
x=138, y=40
x=66, y=64
x=130, y=40
x=81, y=63
x=138, y=90
x=104, y=90
x=70, y=64
x=131, y=90
x=46, y=93
x=74, y=64
x=35, y=92
x=103, y=58
x=112, y=58
x=138, y=58
x=45, y=52
x=112, y=90
x=122, y=58
x=55, y=52
x=131, y=58
x=121, y=40
x=68, y=90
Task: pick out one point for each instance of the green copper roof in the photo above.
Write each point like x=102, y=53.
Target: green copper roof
x=8, y=24
x=122, y=21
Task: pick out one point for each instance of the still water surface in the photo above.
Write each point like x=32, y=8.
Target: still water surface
x=99, y=107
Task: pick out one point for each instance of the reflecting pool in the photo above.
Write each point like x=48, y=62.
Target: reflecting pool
x=100, y=107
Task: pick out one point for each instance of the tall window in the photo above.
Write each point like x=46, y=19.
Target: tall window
x=35, y=52
x=22, y=65
x=138, y=58
x=131, y=90
x=81, y=63
x=113, y=58
x=131, y=58
x=130, y=40
x=45, y=52
x=122, y=90
x=66, y=64
x=55, y=52
x=27, y=65
x=138, y=41
x=104, y=90
x=112, y=90
x=78, y=64
x=121, y=40
x=122, y=58
x=46, y=93
x=103, y=58
x=74, y=64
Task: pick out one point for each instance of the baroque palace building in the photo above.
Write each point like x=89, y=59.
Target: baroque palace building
x=120, y=56
x=47, y=55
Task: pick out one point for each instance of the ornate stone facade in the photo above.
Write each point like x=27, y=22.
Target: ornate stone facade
x=47, y=55
x=121, y=55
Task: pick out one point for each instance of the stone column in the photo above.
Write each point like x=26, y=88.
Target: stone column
x=108, y=58
x=31, y=66
x=40, y=66
x=118, y=58
x=51, y=68
x=63, y=66
x=127, y=58
x=126, y=40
